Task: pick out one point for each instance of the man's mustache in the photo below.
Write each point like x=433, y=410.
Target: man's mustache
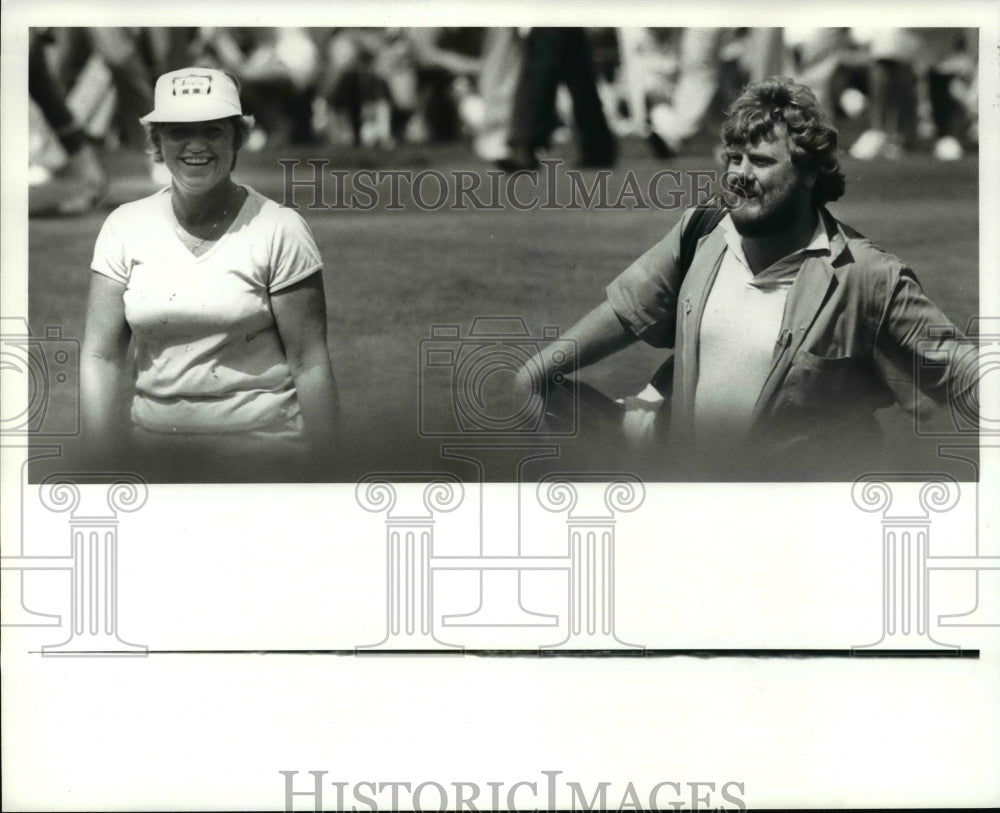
x=737, y=183
x=736, y=189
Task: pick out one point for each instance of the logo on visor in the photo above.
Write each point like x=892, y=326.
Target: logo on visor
x=192, y=84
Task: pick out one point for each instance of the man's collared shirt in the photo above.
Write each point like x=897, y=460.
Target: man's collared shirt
x=739, y=328
x=857, y=334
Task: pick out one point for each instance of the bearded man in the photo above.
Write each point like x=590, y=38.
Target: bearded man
x=789, y=328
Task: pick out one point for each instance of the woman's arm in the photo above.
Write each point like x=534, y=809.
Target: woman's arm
x=300, y=315
x=102, y=365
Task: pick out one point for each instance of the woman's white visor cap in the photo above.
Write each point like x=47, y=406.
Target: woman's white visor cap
x=194, y=94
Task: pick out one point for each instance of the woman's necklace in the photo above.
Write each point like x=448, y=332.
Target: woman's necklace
x=187, y=237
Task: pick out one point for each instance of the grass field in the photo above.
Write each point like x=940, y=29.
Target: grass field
x=391, y=275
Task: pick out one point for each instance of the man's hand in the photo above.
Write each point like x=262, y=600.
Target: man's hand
x=528, y=389
x=596, y=336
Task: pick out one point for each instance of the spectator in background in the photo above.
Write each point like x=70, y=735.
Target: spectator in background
x=446, y=62
x=83, y=168
x=393, y=85
x=819, y=57
x=361, y=73
x=104, y=79
x=553, y=56
x=277, y=69
x=131, y=76
x=907, y=65
x=498, y=78
x=701, y=55
x=951, y=90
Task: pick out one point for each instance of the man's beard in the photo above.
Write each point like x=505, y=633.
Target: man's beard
x=774, y=220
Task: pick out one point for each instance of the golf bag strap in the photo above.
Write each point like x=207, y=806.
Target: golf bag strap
x=706, y=217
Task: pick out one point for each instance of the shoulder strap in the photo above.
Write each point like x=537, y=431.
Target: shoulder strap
x=706, y=217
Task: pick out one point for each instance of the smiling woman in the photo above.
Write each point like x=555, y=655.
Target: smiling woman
x=219, y=291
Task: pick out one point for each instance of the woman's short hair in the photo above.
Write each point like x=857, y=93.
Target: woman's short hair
x=812, y=138
x=242, y=125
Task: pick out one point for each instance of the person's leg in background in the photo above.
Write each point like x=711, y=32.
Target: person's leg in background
x=395, y=69
x=534, y=99
x=340, y=86
x=554, y=55
x=83, y=164
x=875, y=141
x=133, y=84
x=946, y=114
x=764, y=54
x=133, y=80
x=596, y=142
x=498, y=80
x=169, y=49
x=950, y=79
x=672, y=124
x=893, y=95
x=818, y=61
x=894, y=104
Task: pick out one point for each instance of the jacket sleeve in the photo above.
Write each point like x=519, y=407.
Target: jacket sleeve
x=644, y=295
x=919, y=351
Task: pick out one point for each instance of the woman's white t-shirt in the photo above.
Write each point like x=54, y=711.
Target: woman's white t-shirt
x=208, y=354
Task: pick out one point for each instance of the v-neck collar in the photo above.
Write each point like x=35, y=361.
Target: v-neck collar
x=784, y=270
x=222, y=238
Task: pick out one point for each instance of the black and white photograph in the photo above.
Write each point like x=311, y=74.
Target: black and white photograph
x=614, y=386
x=703, y=253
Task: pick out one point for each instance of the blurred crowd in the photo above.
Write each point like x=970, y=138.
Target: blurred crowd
x=510, y=93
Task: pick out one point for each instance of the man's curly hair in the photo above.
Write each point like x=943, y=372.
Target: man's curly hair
x=812, y=139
